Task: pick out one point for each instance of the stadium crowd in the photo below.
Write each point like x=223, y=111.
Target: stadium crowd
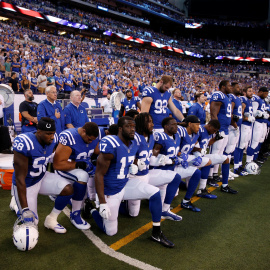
x=245, y=49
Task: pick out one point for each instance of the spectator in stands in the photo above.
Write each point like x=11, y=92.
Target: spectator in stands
x=28, y=111
x=59, y=82
x=50, y=79
x=2, y=105
x=106, y=104
x=25, y=84
x=50, y=108
x=93, y=87
x=33, y=82
x=74, y=113
x=14, y=83
x=42, y=82
x=176, y=93
x=2, y=61
x=16, y=66
x=86, y=82
x=8, y=68
x=68, y=84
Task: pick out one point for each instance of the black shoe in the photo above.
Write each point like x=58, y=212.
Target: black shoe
x=260, y=160
x=258, y=163
x=212, y=182
x=216, y=177
x=160, y=238
x=228, y=189
x=88, y=206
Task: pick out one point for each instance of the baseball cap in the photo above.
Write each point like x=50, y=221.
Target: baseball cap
x=192, y=119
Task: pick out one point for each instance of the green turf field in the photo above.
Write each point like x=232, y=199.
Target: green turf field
x=231, y=232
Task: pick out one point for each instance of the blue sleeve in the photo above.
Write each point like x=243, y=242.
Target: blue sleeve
x=106, y=145
x=67, y=116
x=41, y=111
x=159, y=139
x=65, y=138
x=20, y=146
x=217, y=97
x=192, y=110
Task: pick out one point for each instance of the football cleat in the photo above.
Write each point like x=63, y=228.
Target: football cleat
x=12, y=204
x=240, y=172
x=77, y=221
x=233, y=174
x=212, y=182
x=160, y=238
x=87, y=207
x=228, y=189
x=205, y=193
x=190, y=206
x=170, y=215
x=51, y=223
x=216, y=177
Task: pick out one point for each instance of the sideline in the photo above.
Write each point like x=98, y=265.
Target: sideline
x=132, y=236
x=111, y=252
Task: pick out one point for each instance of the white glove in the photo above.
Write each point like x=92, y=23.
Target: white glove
x=236, y=132
x=141, y=165
x=104, y=210
x=251, y=119
x=203, y=152
x=258, y=113
x=265, y=115
x=164, y=160
x=133, y=169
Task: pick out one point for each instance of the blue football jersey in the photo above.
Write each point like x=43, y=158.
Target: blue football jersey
x=261, y=106
x=237, y=110
x=204, y=137
x=130, y=104
x=248, y=109
x=145, y=151
x=187, y=142
x=38, y=156
x=117, y=175
x=158, y=108
x=170, y=146
x=80, y=149
x=225, y=112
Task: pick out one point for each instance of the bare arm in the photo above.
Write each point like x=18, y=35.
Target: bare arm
x=146, y=104
x=21, y=170
x=69, y=126
x=214, y=109
x=103, y=164
x=174, y=110
x=26, y=115
x=243, y=109
x=156, y=149
x=139, y=105
x=60, y=160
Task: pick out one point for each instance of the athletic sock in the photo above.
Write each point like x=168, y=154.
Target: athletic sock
x=61, y=202
x=155, y=207
x=193, y=183
x=172, y=188
x=225, y=173
x=79, y=192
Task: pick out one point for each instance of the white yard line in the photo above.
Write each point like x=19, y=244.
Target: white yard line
x=109, y=251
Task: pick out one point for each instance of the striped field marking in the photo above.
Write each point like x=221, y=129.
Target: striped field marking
x=132, y=236
x=111, y=252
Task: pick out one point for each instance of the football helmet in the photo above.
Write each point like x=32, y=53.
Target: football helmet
x=25, y=235
x=252, y=168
